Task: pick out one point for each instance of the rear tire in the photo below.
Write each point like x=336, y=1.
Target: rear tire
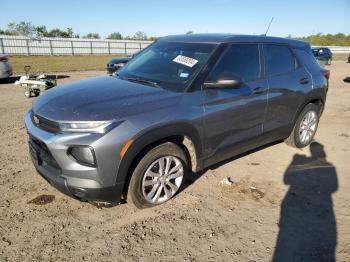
x=158, y=176
x=305, y=127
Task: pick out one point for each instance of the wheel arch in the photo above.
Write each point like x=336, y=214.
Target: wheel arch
x=314, y=99
x=184, y=135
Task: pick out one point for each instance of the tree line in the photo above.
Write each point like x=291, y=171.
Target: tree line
x=28, y=29
x=326, y=39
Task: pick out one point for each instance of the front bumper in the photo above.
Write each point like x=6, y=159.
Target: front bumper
x=49, y=156
x=78, y=189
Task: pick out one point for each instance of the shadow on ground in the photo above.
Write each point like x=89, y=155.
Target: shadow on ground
x=194, y=176
x=9, y=80
x=307, y=222
x=13, y=79
x=57, y=76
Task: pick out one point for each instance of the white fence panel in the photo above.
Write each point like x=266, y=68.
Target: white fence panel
x=82, y=48
x=13, y=46
x=19, y=45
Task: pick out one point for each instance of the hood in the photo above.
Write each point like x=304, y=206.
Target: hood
x=102, y=98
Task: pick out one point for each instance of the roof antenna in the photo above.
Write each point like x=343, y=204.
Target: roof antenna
x=267, y=30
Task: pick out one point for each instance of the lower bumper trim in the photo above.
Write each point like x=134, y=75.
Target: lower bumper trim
x=103, y=194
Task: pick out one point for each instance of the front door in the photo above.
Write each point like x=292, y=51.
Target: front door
x=234, y=116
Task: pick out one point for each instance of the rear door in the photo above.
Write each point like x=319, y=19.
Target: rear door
x=288, y=83
x=234, y=115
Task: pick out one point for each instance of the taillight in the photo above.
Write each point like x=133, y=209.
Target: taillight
x=326, y=73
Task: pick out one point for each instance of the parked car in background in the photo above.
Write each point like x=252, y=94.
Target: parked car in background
x=5, y=67
x=184, y=103
x=118, y=62
x=323, y=55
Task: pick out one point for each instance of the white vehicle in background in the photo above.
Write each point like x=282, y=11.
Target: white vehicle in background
x=5, y=67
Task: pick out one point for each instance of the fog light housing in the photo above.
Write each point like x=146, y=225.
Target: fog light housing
x=84, y=155
x=77, y=192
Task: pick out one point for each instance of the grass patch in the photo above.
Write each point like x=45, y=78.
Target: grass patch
x=60, y=63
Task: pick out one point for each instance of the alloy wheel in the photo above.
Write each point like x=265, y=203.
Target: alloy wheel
x=308, y=127
x=162, y=179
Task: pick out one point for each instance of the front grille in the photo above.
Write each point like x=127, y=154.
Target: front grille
x=43, y=152
x=46, y=124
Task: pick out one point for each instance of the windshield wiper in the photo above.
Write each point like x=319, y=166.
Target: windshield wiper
x=142, y=81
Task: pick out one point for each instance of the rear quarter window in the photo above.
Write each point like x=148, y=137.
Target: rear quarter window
x=278, y=60
x=307, y=59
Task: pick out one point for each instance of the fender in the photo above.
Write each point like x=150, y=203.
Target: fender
x=153, y=135
x=317, y=94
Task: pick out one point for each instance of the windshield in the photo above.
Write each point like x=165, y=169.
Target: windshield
x=170, y=65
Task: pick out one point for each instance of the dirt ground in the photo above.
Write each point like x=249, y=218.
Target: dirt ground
x=286, y=204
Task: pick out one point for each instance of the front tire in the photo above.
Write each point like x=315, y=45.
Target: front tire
x=36, y=93
x=27, y=94
x=158, y=176
x=305, y=127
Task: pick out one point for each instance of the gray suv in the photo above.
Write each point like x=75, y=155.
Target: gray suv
x=183, y=104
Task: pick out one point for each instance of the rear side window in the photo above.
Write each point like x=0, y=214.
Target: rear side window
x=241, y=60
x=278, y=60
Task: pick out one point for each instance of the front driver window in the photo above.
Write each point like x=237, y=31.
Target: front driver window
x=240, y=60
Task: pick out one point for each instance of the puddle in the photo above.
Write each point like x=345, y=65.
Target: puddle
x=42, y=200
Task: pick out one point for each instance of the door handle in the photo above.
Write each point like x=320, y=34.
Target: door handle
x=259, y=90
x=304, y=81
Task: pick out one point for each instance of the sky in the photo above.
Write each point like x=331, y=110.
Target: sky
x=165, y=17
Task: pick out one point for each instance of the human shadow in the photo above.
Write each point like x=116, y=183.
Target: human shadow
x=307, y=222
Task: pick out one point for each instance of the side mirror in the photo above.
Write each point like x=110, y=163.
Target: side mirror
x=225, y=82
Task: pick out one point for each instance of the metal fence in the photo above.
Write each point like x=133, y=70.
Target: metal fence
x=19, y=45
x=338, y=49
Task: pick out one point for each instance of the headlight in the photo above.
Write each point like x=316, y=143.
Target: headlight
x=89, y=126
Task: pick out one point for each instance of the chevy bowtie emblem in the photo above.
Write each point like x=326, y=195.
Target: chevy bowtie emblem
x=36, y=120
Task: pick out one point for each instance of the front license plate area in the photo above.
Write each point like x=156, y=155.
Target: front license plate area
x=35, y=154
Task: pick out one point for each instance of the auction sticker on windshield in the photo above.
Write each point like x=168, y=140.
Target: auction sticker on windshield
x=184, y=60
